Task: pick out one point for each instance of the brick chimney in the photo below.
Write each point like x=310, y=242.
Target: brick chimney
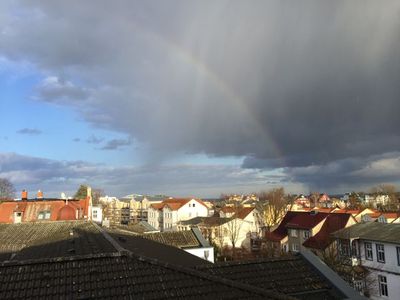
x=39, y=195
x=24, y=195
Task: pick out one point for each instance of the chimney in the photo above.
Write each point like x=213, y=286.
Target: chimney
x=24, y=195
x=39, y=195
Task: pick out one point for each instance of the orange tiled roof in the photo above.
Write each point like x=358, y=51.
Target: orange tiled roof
x=31, y=209
x=176, y=203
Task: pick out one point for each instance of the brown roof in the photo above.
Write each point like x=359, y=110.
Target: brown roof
x=291, y=275
x=117, y=276
x=244, y=212
x=51, y=239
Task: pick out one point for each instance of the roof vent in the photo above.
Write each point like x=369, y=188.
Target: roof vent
x=313, y=212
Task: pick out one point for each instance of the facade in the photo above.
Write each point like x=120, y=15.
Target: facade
x=44, y=209
x=374, y=246
x=97, y=214
x=165, y=216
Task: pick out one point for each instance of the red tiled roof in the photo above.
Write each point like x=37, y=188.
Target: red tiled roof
x=332, y=223
x=157, y=206
x=391, y=215
x=307, y=220
x=347, y=211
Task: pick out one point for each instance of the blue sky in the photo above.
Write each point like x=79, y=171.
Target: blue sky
x=199, y=98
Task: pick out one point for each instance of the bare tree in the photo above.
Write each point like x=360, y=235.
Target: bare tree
x=314, y=199
x=275, y=206
x=7, y=190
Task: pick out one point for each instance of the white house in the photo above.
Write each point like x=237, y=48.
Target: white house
x=226, y=231
x=97, y=214
x=164, y=216
x=376, y=247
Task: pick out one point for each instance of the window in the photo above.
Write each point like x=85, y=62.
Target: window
x=398, y=255
x=293, y=232
x=194, y=205
x=380, y=253
x=295, y=247
x=368, y=251
x=44, y=215
x=95, y=214
x=206, y=254
x=306, y=234
x=344, y=248
x=383, y=289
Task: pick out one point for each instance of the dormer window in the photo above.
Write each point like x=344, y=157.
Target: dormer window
x=44, y=215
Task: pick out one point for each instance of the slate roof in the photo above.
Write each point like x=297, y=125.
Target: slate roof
x=206, y=221
x=180, y=239
x=323, y=238
x=118, y=276
x=290, y=275
x=140, y=227
x=51, y=239
x=374, y=231
x=146, y=247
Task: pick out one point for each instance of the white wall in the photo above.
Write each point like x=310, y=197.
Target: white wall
x=191, y=210
x=154, y=217
x=376, y=268
x=200, y=252
x=97, y=214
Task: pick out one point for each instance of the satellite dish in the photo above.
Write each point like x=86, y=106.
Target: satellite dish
x=63, y=196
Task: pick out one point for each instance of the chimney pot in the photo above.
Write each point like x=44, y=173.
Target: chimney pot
x=39, y=194
x=24, y=195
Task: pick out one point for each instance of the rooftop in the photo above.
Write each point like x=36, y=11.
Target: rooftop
x=118, y=276
x=290, y=275
x=323, y=238
x=374, y=231
x=51, y=239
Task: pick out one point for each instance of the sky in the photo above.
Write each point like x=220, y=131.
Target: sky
x=199, y=98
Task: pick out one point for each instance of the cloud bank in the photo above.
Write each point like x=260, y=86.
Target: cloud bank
x=310, y=87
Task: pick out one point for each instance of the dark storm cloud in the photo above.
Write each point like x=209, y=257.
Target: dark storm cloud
x=29, y=131
x=282, y=83
x=53, y=176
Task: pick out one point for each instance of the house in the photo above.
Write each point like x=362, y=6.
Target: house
x=234, y=231
x=382, y=217
x=374, y=246
x=322, y=242
x=295, y=228
x=165, y=216
x=44, y=209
